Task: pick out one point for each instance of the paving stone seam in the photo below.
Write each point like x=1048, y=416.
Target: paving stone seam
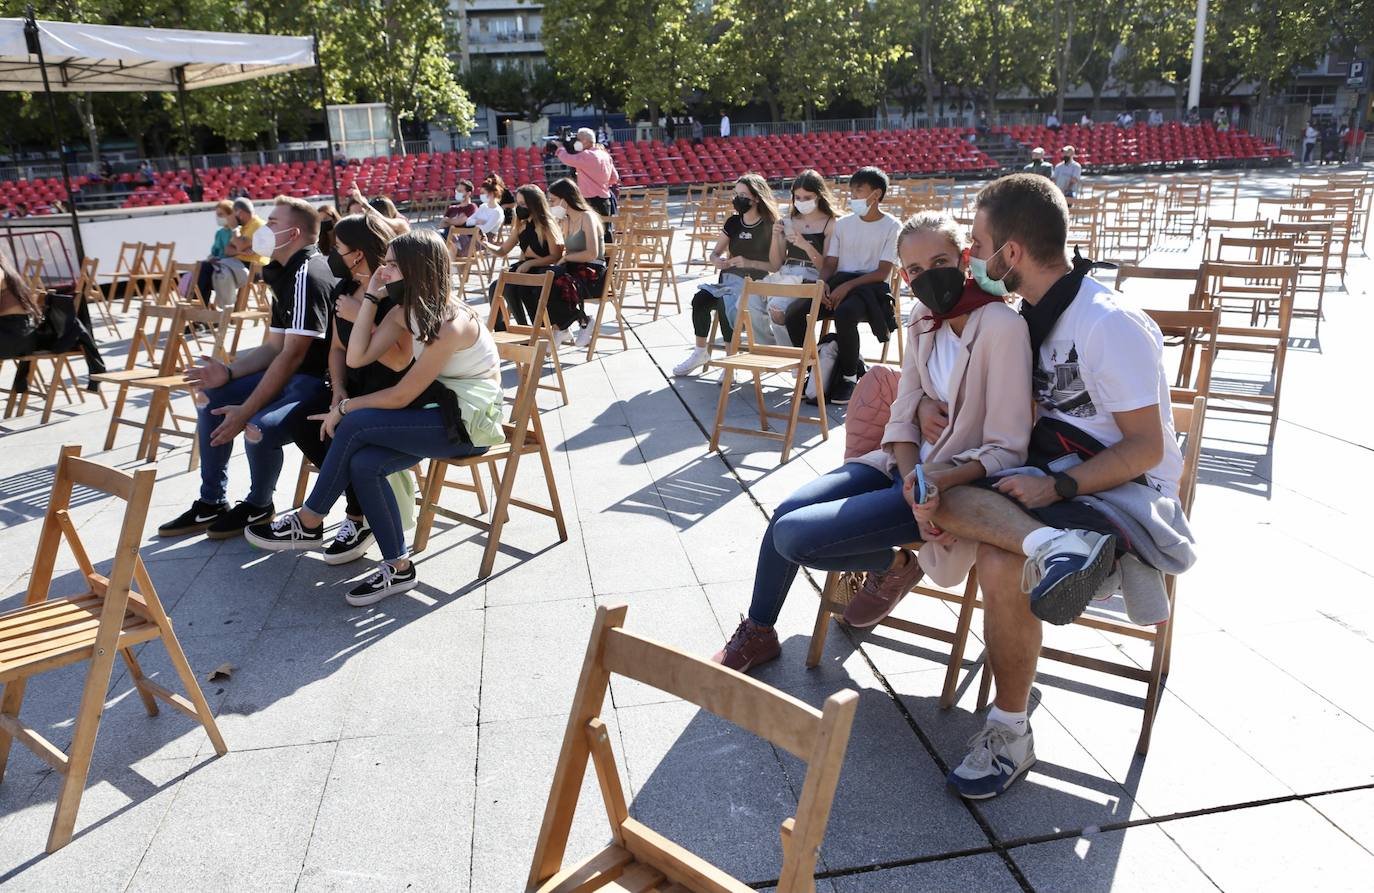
x=315, y=820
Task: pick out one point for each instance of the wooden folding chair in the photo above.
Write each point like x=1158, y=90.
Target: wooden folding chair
x=609, y=297
x=59, y=363
x=164, y=388
x=167, y=351
x=114, y=614
x=750, y=357
x=1188, y=419
x=126, y=268
x=1195, y=333
x=1215, y=227
x=1189, y=275
x=463, y=256
x=1312, y=255
x=639, y=858
x=524, y=437
x=538, y=329
x=88, y=290
x=1271, y=290
x=251, y=307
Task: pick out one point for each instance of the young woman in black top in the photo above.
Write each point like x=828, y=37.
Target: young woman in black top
x=750, y=247
x=540, y=239
x=360, y=242
x=807, y=228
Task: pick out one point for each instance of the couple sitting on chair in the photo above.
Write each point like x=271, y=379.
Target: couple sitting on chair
x=411, y=374
x=973, y=469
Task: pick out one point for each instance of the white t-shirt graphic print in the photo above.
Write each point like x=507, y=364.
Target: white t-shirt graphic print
x=1100, y=358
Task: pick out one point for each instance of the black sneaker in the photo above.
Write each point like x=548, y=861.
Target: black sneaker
x=284, y=534
x=233, y=522
x=386, y=580
x=842, y=391
x=195, y=519
x=351, y=542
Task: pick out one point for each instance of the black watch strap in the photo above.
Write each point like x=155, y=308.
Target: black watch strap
x=376, y=299
x=1065, y=485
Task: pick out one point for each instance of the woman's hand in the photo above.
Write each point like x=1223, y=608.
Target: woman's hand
x=346, y=307
x=377, y=284
x=338, y=394
x=328, y=421
x=797, y=239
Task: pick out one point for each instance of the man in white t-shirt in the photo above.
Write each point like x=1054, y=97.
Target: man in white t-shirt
x=1103, y=436
x=724, y=125
x=857, y=272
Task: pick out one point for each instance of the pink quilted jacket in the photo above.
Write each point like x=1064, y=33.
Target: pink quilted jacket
x=869, y=410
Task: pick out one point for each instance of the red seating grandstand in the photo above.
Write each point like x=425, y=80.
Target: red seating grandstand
x=936, y=151
x=1108, y=146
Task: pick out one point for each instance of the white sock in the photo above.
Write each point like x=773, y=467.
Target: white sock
x=853, y=378
x=1037, y=538
x=1017, y=721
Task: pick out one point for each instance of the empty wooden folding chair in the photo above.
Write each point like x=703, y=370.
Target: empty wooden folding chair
x=524, y=437
x=1312, y=255
x=164, y=388
x=121, y=279
x=464, y=243
x=1194, y=332
x=609, y=297
x=167, y=351
x=113, y=614
x=638, y=857
x=251, y=307
x=749, y=357
x=88, y=290
x=506, y=330
x=1215, y=227
x=1271, y=287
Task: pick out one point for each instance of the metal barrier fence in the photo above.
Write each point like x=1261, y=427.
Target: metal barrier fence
x=48, y=245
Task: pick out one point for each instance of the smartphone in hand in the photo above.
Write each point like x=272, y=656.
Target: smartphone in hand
x=919, y=490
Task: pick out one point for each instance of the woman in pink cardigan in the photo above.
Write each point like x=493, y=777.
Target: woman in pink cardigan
x=969, y=351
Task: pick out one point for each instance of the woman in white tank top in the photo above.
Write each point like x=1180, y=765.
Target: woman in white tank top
x=448, y=405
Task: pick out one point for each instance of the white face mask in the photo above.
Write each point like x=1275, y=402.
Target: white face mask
x=265, y=241
x=223, y=221
x=459, y=195
x=488, y=198
x=858, y=205
x=558, y=211
x=803, y=205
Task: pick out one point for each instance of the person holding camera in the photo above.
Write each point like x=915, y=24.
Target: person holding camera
x=595, y=172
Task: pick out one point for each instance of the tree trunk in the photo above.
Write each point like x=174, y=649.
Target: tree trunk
x=1179, y=88
x=85, y=109
x=1098, y=87
x=1064, y=53
x=927, y=63
x=995, y=69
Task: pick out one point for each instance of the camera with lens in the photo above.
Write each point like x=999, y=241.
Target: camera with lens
x=567, y=138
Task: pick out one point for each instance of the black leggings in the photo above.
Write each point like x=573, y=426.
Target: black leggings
x=847, y=317
x=19, y=338
x=205, y=281
x=523, y=302
x=703, y=305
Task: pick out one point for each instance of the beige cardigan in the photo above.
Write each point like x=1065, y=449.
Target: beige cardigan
x=990, y=411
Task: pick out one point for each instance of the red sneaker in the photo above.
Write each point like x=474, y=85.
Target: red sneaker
x=750, y=646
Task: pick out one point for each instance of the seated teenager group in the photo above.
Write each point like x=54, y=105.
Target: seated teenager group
x=370, y=365
x=1035, y=446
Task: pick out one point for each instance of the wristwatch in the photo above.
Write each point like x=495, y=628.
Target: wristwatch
x=1065, y=485
x=343, y=406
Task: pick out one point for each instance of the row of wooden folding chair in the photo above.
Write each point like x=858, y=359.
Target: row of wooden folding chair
x=539, y=329
x=639, y=858
x=839, y=588
x=113, y=614
x=646, y=259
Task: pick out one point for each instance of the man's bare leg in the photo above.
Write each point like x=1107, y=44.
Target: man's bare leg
x=1013, y=633
x=985, y=516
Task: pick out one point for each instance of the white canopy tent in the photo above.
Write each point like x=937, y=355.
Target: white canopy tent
x=74, y=57
x=113, y=58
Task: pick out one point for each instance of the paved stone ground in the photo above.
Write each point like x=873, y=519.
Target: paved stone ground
x=410, y=746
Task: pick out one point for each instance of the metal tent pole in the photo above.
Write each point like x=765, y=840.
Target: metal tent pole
x=328, y=127
x=35, y=46
x=196, y=191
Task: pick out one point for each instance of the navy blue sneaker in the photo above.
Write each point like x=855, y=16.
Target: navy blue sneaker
x=996, y=758
x=1065, y=573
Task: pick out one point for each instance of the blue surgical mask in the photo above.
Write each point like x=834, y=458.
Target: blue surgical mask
x=978, y=269
x=859, y=206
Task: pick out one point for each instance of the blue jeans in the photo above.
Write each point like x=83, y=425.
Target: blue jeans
x=846, y=520
x=303, y=395
x=370, y=444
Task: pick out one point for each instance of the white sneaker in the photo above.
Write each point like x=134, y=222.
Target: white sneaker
x=695, y=360
x=997, y=757
x=1065, y=573
x=584, y=335
x=563, y=336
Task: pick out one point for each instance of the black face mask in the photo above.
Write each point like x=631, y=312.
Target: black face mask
x=338, y=266
x=396, y=291
x=522, y=212
x=939, y=288
x=741, y=204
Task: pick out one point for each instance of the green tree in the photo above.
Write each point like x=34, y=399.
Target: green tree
x=515, y=88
